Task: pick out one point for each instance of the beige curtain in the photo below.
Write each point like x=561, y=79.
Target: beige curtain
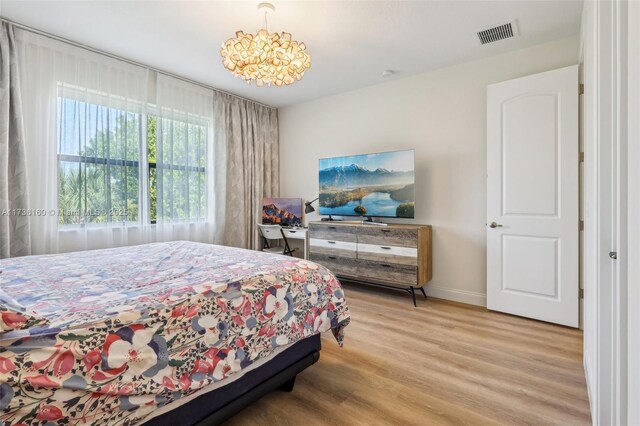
x=14, y=221
x=246, y=142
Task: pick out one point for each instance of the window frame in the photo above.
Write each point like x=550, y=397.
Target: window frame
x=94, y=98
x=90, y=97
x=180, y=116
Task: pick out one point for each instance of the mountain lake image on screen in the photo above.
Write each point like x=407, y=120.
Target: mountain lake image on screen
x=377, y=185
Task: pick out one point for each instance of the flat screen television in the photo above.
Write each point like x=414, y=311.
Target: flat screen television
x=282, y=211
x=373, y=185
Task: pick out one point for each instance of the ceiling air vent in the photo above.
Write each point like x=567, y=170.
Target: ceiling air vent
x=497, y=33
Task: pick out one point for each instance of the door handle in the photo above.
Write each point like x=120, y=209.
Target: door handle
x=495, y=225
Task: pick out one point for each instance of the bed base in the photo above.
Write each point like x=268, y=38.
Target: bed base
x=215, y=407
x=283, y=380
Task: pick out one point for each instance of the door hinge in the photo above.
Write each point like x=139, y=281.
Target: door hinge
x=581, y=293
x=581, y=89
x=581, y=157
x=581, y=225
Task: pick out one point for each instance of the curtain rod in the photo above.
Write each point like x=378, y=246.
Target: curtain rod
x=120, y=58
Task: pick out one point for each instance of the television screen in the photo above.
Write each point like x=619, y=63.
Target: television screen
x=380, y=185
x=282, y=211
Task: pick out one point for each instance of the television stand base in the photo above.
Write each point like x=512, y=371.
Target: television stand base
x=369, y=252
x=330, y=219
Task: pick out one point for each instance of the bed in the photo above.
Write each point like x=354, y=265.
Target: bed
x=160, y=333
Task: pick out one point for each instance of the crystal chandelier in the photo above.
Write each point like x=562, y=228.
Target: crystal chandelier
x=266, y=58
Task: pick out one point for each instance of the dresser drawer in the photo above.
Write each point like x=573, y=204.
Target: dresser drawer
x=333, y=248
x=388, y=254
x=296, y=234
x=383, y=236
x=333, y=232
x=336, y=264
x=389, y=273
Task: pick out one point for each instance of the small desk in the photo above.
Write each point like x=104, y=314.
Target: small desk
x=298, y=234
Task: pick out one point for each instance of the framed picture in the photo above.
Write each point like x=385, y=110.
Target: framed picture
x=282, y=211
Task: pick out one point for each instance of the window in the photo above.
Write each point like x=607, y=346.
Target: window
x=177, y=172
x=99, y=160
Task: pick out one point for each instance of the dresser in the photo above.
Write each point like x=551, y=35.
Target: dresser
x=395, y=255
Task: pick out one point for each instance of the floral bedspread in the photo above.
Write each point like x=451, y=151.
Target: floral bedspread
x=134, y=328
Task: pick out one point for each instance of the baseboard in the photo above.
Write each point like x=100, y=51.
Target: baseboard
x=462, y=296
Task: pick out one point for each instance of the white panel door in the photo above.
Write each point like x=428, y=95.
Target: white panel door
x=532, y=196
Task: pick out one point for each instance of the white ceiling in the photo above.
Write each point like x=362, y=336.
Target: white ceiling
x=351, y=42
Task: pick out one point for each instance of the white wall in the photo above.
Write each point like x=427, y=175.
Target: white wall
x=442, y=115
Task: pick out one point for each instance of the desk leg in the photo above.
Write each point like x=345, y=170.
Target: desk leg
x=306, y=254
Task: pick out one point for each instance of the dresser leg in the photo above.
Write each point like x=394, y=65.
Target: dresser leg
x=413, y=295
x=423, y=292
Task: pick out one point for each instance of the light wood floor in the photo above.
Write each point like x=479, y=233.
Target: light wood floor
x=440, y=363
